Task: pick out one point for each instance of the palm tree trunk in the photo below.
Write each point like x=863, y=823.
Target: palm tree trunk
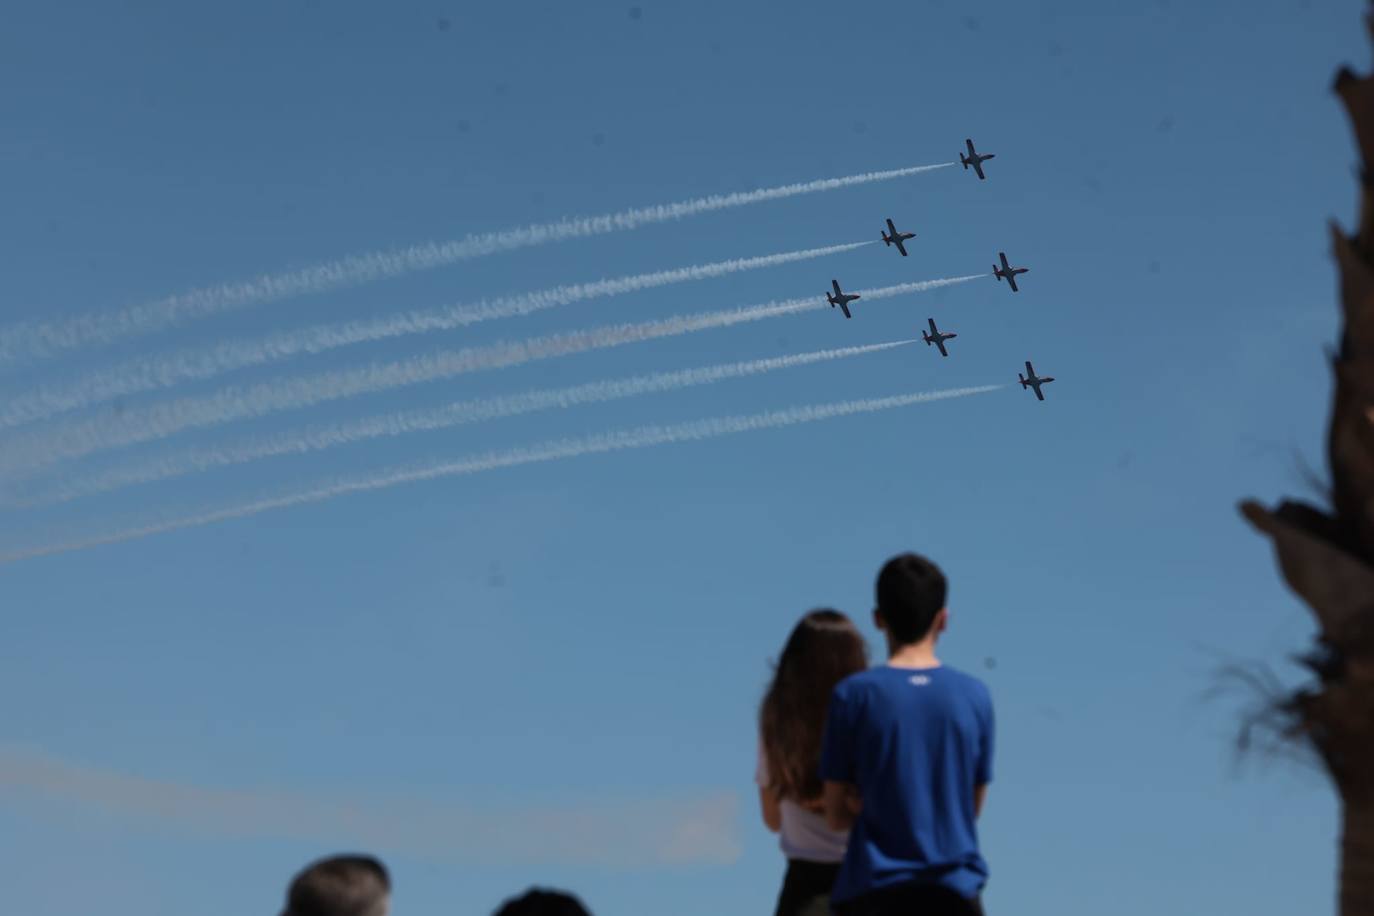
x=1327, y=557
x=1357, y=858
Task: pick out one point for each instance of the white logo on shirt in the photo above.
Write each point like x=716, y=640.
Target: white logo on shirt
x=920, y=680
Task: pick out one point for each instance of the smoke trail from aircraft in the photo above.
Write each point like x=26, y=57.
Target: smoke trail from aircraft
x=639, y=437
x=75, y=439
x=157, y=372
x=323, y=436
x=40, y=339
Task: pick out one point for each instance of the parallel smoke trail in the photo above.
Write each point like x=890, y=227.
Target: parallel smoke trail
x=37, y=339
x=156, y=372
x=640, y=437
x=156, y=421
x=291, y=442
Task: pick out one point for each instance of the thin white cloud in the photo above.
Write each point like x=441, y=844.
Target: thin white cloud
x=691, y=829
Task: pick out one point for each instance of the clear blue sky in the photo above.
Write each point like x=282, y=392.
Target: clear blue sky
x=592, y=635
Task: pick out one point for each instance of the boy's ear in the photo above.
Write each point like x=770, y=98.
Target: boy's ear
x=942, y=620
x=878, y=620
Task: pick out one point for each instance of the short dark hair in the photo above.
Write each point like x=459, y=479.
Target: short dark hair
x=911, y=590
x=353, y=885
x=539, y=901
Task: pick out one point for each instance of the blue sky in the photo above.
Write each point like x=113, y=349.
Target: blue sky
x=588, y=638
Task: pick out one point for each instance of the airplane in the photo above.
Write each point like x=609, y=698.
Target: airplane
x=1007, y=272
x=893, y=237
x=840, y=299
x=935, y=337
x=975, y=160
x=1034, y=381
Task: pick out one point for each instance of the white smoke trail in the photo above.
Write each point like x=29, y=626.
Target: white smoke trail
x=75, y=439
x=37, y=339
x=323, y=436
x=640, y=437
x=156, y=372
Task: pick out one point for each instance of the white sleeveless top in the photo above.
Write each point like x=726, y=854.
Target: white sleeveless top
x=804, y=833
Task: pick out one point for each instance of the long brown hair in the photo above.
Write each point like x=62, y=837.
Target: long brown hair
x=825, y=647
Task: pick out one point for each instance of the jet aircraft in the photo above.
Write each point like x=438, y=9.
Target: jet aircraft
x=1007, y=272
x=1031, y=380
x=893, y=237
x=935, y=337
x=840, y=299
x=975, y=160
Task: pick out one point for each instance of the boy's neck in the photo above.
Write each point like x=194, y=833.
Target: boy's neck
x=913, y=655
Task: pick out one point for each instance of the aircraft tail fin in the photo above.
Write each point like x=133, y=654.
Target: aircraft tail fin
x=1023, y=380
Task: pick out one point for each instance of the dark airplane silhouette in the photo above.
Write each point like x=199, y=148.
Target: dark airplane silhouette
x=975, y=160
x=840, y=299
x=1007, y=272
x=935, y=337
x=893, y=237
x=1033, y=381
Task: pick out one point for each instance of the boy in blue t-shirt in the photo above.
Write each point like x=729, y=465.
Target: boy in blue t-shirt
x=906, y=761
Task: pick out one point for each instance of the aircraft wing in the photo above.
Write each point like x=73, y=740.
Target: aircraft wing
x=1029, y=371
x=901, y=245
x=941, y=344
x=1011, y=281
x=978, y=167
x=1038, y=395
x=844, y=307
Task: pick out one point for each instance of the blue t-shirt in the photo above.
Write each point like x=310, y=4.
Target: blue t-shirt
x=915, y=741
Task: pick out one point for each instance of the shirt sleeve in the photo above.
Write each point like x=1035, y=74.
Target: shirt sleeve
x=837, y=747
x=983, y=775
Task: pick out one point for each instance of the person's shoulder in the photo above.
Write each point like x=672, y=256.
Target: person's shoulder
x=967, y=683
x=857, y=683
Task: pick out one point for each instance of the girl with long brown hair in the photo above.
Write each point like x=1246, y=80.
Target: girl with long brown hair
x=824, y=648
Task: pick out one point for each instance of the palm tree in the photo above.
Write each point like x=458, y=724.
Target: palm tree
x=1327, y=555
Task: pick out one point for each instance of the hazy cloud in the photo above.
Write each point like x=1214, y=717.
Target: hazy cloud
x=690, y=829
